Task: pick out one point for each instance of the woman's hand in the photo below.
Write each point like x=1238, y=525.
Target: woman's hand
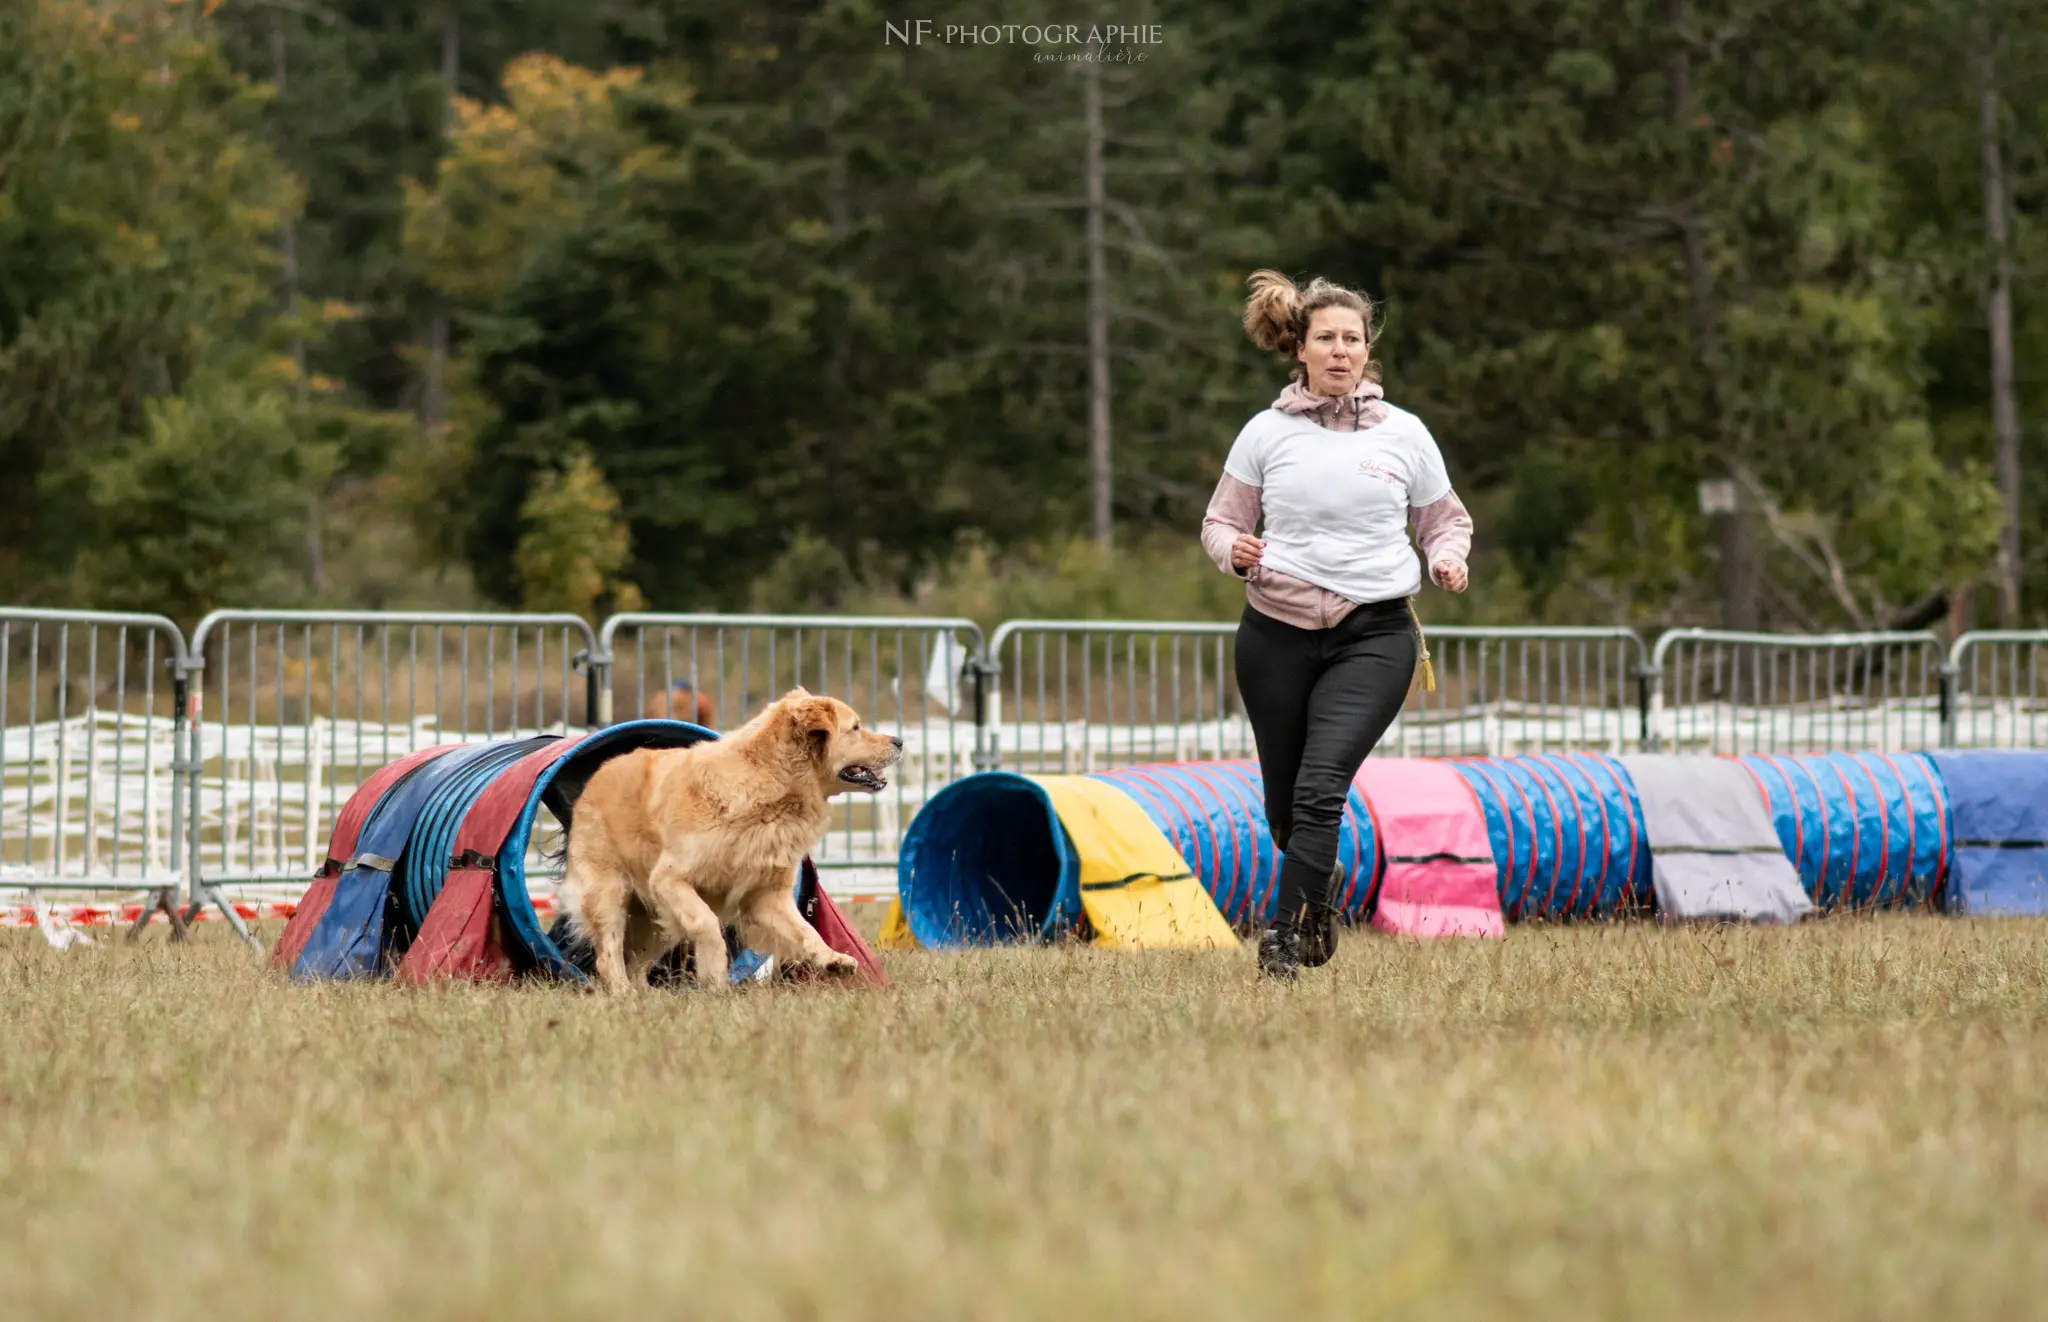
x=1450, y=575
x=1245, y=552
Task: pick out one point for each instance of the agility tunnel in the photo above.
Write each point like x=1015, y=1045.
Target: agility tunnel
x=425, y=876
x=1000, y=857
x=1567, y=837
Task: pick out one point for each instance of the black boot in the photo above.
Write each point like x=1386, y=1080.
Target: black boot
x=1318, y=937
x=1319, y=925
x=1280, y=951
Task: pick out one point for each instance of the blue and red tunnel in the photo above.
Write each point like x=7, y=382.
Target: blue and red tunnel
x=425, y=874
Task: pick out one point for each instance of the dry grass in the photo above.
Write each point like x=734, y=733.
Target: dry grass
x=1849, y=1120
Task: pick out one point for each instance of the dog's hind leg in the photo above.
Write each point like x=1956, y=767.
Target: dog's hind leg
x=647, y=940
x=680, y=909
x=604, y=926
x=595, y=894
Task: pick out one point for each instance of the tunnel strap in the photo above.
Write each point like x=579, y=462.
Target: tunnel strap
x=1121, y=882
x=1440, y=857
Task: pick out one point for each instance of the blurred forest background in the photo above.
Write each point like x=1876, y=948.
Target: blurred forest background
x=702, y=304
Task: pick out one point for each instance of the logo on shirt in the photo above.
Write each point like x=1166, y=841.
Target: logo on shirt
x=1387, y=475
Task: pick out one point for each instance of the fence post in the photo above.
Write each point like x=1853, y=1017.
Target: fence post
x=596, y=665
x=197, y=892
x=987, y=674
x=1645, y=686
x=1649, y=692
x=1950, y=672
x=181, y=764
x=187, y=755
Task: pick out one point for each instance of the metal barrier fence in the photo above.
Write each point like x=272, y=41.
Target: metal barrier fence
x=130, y=761
x=1077, y=695
x=1718, y=692
x=92, y=747
x=914, y=677
x=1507, y=691
x=1082, y=695
x=1997, y=693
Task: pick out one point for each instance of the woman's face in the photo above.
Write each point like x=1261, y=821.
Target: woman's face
x=1334, y=351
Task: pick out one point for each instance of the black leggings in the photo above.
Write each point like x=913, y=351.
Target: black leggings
x=1319, y=699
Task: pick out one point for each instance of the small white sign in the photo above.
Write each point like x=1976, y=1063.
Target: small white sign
x=1717, y=496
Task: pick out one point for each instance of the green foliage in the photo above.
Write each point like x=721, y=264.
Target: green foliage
x=572, y=542
x=205, y=506
x=135, y=219
x=1548, y=502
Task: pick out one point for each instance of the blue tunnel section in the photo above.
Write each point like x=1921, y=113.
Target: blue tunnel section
x=1998, y=820
x=1865, y=830
x=424, y=868
x=1567, y=834
x=986, y=861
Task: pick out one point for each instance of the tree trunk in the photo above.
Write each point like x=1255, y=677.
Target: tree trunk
x=2005, y=417
x=1958, y=613
x=839, y=407
x=433, y=397
x=1101, y=522
x=1733, y=535
x=288, y=243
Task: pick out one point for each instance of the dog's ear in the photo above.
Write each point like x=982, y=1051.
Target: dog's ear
x=813, y=719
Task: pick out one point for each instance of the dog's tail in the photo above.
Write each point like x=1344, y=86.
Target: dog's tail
x=558, y=855
x=566, y=932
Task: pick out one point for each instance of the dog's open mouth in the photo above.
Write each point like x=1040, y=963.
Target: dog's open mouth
x=863, y=777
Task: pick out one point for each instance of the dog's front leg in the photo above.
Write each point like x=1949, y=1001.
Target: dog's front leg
x=681, y=909
x=772, y=912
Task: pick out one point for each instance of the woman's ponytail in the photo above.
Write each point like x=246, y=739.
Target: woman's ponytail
x=1273, y=314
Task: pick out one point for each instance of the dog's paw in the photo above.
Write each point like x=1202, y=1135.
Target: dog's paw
x=829, y=965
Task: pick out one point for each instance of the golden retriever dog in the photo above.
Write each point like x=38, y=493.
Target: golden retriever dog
x=670, y=844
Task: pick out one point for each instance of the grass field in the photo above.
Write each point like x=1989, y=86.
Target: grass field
x=1844, y=1120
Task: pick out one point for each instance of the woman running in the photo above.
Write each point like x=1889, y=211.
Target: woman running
x=1329, y=640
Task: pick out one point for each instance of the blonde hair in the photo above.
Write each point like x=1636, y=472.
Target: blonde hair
x=1277, y=313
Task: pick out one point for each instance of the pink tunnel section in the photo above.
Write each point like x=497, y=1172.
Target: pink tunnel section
x=1440, y=878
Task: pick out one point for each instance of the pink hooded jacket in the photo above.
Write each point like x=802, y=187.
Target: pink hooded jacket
x=1444, y=529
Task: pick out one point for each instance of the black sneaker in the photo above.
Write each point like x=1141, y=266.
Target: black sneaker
x=1280, y=953
x=1318, y=937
